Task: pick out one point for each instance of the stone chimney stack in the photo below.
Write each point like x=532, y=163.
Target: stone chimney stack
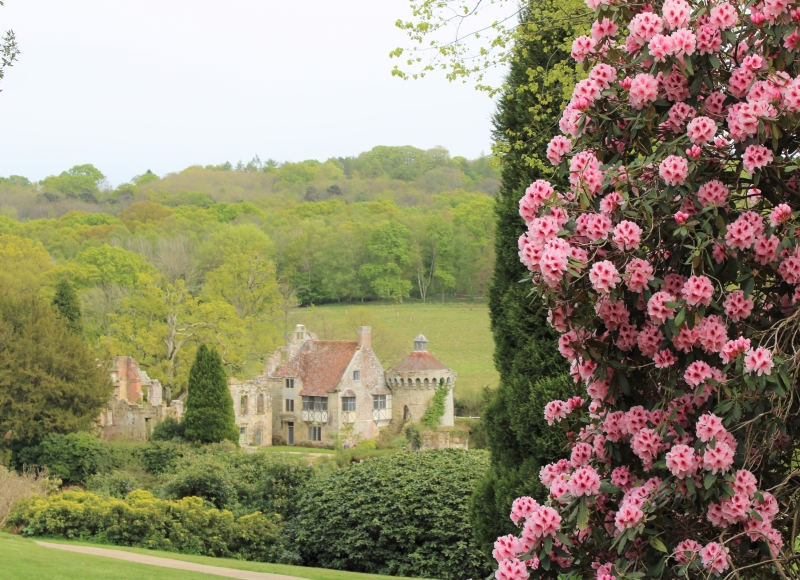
x=365, y=336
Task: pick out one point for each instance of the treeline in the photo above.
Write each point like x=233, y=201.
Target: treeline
x=221, y=254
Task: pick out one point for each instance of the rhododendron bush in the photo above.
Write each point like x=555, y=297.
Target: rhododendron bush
x=671, y=268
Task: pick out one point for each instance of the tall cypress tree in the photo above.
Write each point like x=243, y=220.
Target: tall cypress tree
x=68, y=305
x=532, y=372
x=209, y=414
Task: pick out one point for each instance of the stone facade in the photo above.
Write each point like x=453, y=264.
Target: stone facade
x=329, y=391
x=414, y=381
x=137, y=403
x=252, y=405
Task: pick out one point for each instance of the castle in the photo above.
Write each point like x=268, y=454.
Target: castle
x=313, y=392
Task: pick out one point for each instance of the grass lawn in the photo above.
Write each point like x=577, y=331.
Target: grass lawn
x=458, y=334
x=22, y=559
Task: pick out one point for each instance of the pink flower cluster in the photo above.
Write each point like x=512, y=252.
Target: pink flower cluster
x=664, y=261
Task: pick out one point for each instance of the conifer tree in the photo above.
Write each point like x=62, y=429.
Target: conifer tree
x=531, y=370
x=209, y=414
x=68, y=305
x=49, y=380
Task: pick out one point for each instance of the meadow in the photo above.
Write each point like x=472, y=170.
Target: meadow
x=458, y=335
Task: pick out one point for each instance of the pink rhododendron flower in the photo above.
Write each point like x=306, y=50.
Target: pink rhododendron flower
x=627, y=517
x=723, y=16
x=712, y=193
x=719, y=458
x=555, y=411
x=701, y=130
x=512, y=569
x=664, y=359
x=676, y=13
x=506, y=548
x=681, y=217
x=758, y=361
x=657, y=307
x=558, y=147
x=627, y=235
x=681, y=461
x=643, y=90
x=715, y=558
x=523, y=508
x=737, y=306
x=584, y=481
x=766, y=249
x=638, y=274
x=604, y=276
x=686, y=551
x=698, y=290
x=780, y=215
x=708, y=427
x=674, y=170
x=745, y=483
x=581, y=454
x=755, y=157
x=582, y=47
x=697, y=373
x=544, y=522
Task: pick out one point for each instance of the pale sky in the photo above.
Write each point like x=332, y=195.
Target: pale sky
x=164, y=84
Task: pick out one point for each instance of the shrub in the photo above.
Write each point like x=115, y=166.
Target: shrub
x=402, y=514
x=239, y=481
x=207, y=477
x=186, y=525
x=16, y=486
x=115, y=484
x=169, y=429
x=161, y=456
x=75, y=457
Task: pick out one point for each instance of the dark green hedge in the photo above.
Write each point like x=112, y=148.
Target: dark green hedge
x=403, y=514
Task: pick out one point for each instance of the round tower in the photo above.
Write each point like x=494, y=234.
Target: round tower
x=415, y=379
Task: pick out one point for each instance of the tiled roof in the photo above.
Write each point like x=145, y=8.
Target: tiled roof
x=420, y=360
x=320, y=364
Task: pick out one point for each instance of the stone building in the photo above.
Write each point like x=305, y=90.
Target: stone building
x=327, y=390
x=136, y=404
x=252, y=406
x=413, y=382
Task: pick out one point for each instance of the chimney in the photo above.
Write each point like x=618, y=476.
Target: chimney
x=365, y=336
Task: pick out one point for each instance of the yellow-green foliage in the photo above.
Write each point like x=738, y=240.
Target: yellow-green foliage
x=186, y=525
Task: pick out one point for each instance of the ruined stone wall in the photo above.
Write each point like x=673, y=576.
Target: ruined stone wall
x=445, y=439
x=252, y=406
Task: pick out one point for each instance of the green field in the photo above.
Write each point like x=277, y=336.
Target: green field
x=22, y=559
x=458, y=335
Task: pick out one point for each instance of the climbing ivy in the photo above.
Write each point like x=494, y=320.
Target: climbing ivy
x=436, y=409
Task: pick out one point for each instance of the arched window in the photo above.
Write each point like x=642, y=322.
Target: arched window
x=260, y=404
x=419, y=384
x=243, y=405
x=427, y=384
x=406, y=413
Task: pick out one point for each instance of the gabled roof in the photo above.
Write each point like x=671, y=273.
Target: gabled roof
x=320, y=364
x=420, y=360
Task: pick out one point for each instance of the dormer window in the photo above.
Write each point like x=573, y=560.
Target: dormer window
x=289, y=383
x=356, y=375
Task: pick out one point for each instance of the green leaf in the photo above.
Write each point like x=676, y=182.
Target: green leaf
x=583, y=515
x=680, y=317
x=709, y=480
x=658, y=545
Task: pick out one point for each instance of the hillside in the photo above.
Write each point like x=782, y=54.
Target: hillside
x=223, y=254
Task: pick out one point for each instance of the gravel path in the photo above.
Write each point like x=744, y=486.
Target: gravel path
x=168, y=563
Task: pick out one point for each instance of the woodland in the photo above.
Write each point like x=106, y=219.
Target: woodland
x=223, y=253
